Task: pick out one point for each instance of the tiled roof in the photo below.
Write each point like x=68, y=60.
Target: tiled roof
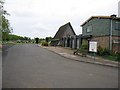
x=61, y=31
x=105, y=17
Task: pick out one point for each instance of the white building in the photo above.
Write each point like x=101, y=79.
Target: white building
x=119, y=9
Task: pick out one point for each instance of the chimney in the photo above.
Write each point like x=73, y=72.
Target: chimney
x=113, y=16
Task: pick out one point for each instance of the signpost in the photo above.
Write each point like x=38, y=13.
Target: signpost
x=93, y=47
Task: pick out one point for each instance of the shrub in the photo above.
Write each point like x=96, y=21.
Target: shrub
x=106, y=51
x=118, y=56
x=103, y=51
x=100, y=50
x=84, y=46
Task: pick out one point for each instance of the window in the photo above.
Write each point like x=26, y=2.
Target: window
x=116, y=41
x=89, y=29
x=117, y=25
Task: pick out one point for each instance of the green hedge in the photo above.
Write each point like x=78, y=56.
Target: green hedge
x=44, y=43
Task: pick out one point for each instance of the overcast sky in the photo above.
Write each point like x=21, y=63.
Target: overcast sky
x=42, y=18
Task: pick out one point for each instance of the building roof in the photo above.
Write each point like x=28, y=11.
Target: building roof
x=61, y=31
x=119, y=9
x=104, y=17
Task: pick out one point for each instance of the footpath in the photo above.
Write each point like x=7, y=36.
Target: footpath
x=68, y=53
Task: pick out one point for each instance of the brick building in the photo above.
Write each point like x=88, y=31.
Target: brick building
x=104, y=29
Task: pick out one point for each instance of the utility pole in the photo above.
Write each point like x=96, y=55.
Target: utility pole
x=111, y=30
x=111, y=35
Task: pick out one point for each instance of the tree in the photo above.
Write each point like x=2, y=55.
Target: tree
x=48, y=39
x=5, y=28
x=16, y=37
x=37, y=40
x=41, y=40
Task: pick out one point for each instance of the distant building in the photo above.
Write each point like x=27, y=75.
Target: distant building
x=66, y=37
x=104, y=29
x=64, y=31
x=119, y=9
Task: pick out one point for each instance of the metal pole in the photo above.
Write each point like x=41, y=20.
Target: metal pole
x=94, y=55
x=111, y=36
x=91, y=54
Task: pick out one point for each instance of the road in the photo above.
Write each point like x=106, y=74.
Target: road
x=0, y=69
x=30, y=66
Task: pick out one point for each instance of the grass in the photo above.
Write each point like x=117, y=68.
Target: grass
x=108, y=57
x=112, y=58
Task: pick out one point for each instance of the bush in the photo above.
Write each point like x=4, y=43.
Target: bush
x=100, y=50
x=103, y=51
x=84, y=47
x=106, y=51
x=44, y=43
x=118, y=56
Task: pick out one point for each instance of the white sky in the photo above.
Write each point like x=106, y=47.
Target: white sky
x=42, y=18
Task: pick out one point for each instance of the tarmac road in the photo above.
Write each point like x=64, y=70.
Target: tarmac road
x=0, y=69
x=30, y=66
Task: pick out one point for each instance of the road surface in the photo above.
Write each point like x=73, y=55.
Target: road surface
x=30, y=66
x=0, y=69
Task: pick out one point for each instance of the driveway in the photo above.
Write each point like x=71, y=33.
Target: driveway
x=30, y=66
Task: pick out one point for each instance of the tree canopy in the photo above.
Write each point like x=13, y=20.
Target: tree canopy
x=5, y=28
x=16, y=37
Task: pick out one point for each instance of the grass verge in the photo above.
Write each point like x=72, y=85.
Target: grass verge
x=112, y=58
x=108, y=57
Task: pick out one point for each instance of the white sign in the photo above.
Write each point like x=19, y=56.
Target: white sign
x=93, y=46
